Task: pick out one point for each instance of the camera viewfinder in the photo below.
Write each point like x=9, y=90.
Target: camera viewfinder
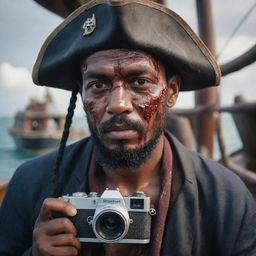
x=137, y=204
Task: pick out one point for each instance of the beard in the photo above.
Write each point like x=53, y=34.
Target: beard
x=121, y=156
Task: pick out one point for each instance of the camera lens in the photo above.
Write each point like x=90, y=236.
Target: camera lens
x=110, y=226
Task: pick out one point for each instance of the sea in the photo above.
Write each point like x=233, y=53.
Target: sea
x=11, y=158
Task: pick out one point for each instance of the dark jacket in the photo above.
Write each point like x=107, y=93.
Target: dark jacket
x=211, y=213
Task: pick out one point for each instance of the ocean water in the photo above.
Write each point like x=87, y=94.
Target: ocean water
x=10, y=158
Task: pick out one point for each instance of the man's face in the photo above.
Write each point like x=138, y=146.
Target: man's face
x=124, y=95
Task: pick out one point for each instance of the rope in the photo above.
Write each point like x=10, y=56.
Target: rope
x=236, y=29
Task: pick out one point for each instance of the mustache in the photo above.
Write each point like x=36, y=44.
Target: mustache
x=118, y=120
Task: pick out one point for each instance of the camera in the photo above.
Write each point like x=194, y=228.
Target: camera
x=112, y=218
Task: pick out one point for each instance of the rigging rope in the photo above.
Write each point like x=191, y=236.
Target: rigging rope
x=236, y=29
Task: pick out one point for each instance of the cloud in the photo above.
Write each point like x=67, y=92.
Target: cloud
x=17, y=87
x=14, y=77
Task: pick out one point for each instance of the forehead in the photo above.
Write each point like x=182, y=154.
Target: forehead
x=120, y=57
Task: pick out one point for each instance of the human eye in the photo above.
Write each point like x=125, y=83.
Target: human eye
x=98, y=85
x=141, y=83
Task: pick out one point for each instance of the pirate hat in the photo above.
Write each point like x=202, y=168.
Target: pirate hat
x=124, y=24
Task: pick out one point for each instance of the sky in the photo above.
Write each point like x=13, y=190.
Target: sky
x=24, y=25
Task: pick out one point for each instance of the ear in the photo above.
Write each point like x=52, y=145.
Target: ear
x=173, y=90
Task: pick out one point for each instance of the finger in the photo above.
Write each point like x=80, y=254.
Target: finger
x=60, y=251
x=55, y=204
x=57, y=226
x=66, y=239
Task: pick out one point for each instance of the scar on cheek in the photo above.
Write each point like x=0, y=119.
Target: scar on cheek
x=89, y=105
x=152, y=106
x=90, y=114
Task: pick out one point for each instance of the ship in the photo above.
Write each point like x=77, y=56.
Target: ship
x=38, y=128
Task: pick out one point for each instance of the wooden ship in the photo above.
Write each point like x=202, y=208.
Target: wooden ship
x=38, y=129
x=196, y=127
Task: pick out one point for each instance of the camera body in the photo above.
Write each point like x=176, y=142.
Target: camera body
x=111, y=218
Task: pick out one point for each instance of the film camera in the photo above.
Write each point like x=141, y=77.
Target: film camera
x=112, y=218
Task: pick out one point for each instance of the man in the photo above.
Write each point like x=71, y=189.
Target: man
x=129, y=59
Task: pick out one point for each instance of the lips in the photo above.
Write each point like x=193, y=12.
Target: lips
x=121, y=133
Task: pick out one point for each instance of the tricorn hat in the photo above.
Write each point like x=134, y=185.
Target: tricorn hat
x=124, y=24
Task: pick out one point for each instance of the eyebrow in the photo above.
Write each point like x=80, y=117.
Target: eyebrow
x=133, y=72
x=94, y=74
x=140, y=72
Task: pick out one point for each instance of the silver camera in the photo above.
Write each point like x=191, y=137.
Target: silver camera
x=112, y=218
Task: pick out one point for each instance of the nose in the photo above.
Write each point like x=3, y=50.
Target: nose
x=119, y=101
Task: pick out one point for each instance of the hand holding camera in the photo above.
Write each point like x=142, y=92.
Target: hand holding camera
x=55, y=236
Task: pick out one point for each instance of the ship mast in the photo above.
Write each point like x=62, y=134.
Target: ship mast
x=206, y=97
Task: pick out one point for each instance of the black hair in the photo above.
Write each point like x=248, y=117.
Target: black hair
x=68, y=121
x=169, y=72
